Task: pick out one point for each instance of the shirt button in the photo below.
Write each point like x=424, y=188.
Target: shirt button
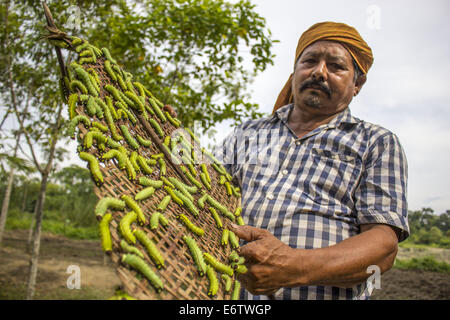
x=270, y=196
x=298, y=142
x=285, y=172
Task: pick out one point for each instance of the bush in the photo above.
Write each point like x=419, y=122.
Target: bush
x=426, y=264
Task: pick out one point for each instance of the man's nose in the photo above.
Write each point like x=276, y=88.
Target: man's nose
x=320, y=71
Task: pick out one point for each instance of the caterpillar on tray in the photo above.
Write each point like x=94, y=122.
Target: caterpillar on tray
x=72, y=102
x=193, y=228
x=84, y=77
x=196, y=254
x=205, y=181
x=137, y=102
x=144, y=181
x=130, y=140
x=213, y=202
x=185, y=189
x=227, y=280
x=225, y=237
x=100, y=126
x=173, y=121
x=125, y=226
x=143, y=142
x=236, y=290
x=205, y=171
x=228, y=187
x=114, y=153
x=143, y=165
x=213, y=282
x=152, y=250
x=77, y=84
x=173, y=195
x=133, y=205
x=157, y=110
x=130, y=249
x=110, y=71
x=108, y=203
x=104, y=232
x=190, y=177
x=140, y=265
x=233, y=240
x=98, y=136
x=216, y=217
x=219, y=266
x=202, y=199
x=93, y=166
x=187, y=203
x=157, y=128
x=144, y=193
x=133, y=160
x=156, y=219
x=75, y=121
x=164, y=203
x=108, y=57
x=233, y=257
x=162, y=166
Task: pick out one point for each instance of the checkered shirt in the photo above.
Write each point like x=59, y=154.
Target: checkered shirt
x=316, y=191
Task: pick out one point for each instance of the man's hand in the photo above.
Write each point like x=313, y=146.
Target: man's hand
x=271, y=263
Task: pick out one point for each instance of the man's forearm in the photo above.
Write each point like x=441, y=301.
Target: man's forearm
x=345, y=264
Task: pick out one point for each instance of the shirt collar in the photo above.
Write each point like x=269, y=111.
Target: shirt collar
x=341, y=118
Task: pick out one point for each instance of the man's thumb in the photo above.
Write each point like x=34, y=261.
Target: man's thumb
x=248, y=233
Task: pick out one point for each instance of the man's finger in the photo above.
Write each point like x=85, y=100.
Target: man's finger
x=170, y=110
x=248, y=233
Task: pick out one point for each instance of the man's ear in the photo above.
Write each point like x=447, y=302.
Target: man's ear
x=359, y=84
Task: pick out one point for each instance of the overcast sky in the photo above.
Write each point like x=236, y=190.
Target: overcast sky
x=407, y=87
x=407, y=90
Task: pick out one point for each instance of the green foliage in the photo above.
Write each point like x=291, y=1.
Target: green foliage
x=426, y=263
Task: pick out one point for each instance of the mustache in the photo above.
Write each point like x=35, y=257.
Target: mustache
x=315, y=83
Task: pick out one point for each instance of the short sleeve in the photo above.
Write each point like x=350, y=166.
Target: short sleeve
x=381, y=196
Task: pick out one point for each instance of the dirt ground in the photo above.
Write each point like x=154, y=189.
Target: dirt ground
x=99, y=280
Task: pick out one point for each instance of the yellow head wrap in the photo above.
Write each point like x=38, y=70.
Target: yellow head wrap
x=332, y=31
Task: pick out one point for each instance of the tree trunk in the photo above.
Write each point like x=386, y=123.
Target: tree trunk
x=33, y=267
x=24, y=199
x=7, y=196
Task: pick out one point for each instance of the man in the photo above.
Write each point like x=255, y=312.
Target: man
x=323, y=193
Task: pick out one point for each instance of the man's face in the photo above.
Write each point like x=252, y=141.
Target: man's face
x=323, y=80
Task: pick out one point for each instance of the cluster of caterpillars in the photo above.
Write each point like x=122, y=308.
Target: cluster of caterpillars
x=105, y=114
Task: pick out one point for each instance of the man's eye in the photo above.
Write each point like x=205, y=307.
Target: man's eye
x=337, y=66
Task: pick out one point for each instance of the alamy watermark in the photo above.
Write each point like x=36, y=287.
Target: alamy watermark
x=74, y=280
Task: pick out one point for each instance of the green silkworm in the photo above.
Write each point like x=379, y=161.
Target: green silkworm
x=166, y=141
x=157, y=156
x=133, y=205
x=127, y=112
x=93, y=167
x=76, y=41
x=218, y=169
x=112, y=144
x=233, y=240
x=130, y=140
x=90, y=136
x=219, y=266
x=238, y=211
x=152, y=250
x=222, y=179
x=110, y=71
x=113, y=153
x=108, y=203
x=162, y=166
x=236, y=290
x=109, y=119
x=143, y=165
x=164, y=203
x=172, y=120
x=140, y=88
x=236, y=191
x=216, y=217
x=167, y=182
x=136, y=101
x=140, y=265
x=115, y=93
x=77, y=84
x=157, y=128
x=233, y=257
x=185, y=189
x=120, y=81
x=192, y=227
x=125, y=226
x=240, y=221
x=157, y=110
x=82, y=46
x=228, y=187
x=224, y=210
x=187, y=203
x=241, y=268
x=213, y=282
x=201, y=200
x=133, y=160
x=144, y=181
x=196, y=254
x=205, y=171
x=91, y=106
x=143, y=142
x=205, y=180
x=74, y=123
x=124, y=151
x=227, y=280
x=112, y=110
x=150, y=162
x=91, y=59
x=156, y=219
x=107, y=55
x=225, y=237
x=104, y=232
x=210, y=156
x=72, y=102
x=173, y=195
x=84, y=77
x=130, y=169
x=100, y=126
x=190, y=177
x=191, y=168
x=130, y=249
x=144, y=193
x=193, y=136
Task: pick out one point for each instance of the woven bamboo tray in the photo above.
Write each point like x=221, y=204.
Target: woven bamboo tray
x=179, y=274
